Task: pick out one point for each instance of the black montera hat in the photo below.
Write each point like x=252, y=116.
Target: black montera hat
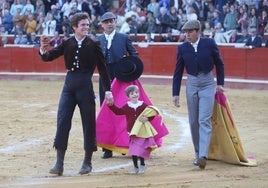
x=128, y=69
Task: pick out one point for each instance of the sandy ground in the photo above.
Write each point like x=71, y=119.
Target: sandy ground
x=28, y=124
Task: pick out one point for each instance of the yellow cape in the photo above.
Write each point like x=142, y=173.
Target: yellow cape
x=225, y=142
x=145, y=130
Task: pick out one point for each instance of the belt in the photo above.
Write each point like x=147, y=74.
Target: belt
x=198, y=73
x=76, y=70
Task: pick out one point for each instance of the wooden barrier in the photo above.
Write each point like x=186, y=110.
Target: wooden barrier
x=158, y=58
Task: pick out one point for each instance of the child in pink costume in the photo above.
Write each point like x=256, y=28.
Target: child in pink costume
x=140, y=145
x=111, y=128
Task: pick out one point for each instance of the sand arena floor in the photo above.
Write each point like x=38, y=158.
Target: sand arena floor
x=28, y=124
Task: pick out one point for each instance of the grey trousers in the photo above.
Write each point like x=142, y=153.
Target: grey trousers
x=200, y=94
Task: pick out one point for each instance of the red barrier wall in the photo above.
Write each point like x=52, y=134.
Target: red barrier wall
x=159, y=59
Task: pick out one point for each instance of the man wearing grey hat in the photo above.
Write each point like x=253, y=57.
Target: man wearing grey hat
x=114, y=46
x=254, y=41
x=198, y=56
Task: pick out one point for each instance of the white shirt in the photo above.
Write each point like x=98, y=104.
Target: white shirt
x=195, y=45
x=109, y=38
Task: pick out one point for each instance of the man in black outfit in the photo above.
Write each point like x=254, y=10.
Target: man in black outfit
x=81, y=56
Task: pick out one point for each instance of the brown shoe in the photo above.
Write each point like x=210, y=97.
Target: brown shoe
x=202, y=162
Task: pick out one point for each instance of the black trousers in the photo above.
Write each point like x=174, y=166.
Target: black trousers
x=77, y=90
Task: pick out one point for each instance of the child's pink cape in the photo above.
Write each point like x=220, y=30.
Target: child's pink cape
x=111, y=129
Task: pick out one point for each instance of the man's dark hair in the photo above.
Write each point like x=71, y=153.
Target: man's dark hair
x=75, y=19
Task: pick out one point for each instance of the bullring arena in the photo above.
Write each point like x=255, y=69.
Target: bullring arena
x=29, y=99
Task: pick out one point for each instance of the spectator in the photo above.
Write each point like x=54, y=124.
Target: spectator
x=207, y=29
x=4, y=4
x=16, y=29
x=181, y=19
x=39, y=8
x=244, y=37
x=66, y=27
x=30, y=24
x=28, y=8
x=262, y=21
x=216, y=18
x=3, y=35
x=253, y=19
x=186, y=4
x=201, y=9
x=134, y=26
x=132, y=12
x=18, y=19
x=126, y=26
x=266, y=44
x=242, y=19
x=49, y=26
x=66, y=7
x=83, y=6
x=174, y=18
x=191, y=15
x=264, y=5
x=230, y=20
x=98, y=9
x=20, y=39
x=212, y=15
x=39, y=27
x=151, y=25
x=34, y=40
x=165, y=4
x=17, y=4
x=74, y=10
x=218, y=34
x=7, y=21
x=48, y=4
x=266, y=28
x=153, y=7
x=254, y=41
x=234, y=37
x=143, y=25
x=55, y=11
x=163, y=21
x=130, y=4
x=55, y=40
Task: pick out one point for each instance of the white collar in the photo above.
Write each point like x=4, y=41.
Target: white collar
x=134, y=105
x=111, y=36
x=79, y=42
x=196, y=43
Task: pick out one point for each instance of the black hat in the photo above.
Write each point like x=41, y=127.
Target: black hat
x=107, y=16
x=128, y=69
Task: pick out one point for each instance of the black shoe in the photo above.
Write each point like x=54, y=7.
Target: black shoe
x=202, y=162
x=196, y=162
x=107, y=154
x=85, y=169
x=57, y=169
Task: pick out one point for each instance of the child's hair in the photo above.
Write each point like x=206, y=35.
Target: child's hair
x=130, y=89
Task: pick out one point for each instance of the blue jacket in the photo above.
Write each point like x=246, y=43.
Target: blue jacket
x=256, y=43
x=121, y=46
x=203, y=60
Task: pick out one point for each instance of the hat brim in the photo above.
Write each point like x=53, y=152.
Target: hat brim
x=128, y=69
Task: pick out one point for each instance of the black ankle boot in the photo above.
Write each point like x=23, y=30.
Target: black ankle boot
x=86, y=166
x=58, y=167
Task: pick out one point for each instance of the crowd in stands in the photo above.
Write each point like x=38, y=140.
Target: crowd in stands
x=227, y=21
